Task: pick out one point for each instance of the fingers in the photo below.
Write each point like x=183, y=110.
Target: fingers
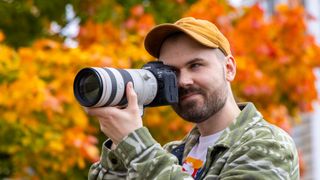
x=93, y=111
x=101, y=111
x=131, y=96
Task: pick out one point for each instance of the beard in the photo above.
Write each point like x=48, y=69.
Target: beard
x=197, y=112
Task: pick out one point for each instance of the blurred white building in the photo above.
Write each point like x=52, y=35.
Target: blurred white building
x=307, y=133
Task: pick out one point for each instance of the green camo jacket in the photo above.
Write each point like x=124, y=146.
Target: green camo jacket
x=250, y=148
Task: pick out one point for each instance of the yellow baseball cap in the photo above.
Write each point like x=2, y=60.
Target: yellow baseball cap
x=202, y=31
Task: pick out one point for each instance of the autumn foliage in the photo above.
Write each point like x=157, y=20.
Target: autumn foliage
x=45, y=133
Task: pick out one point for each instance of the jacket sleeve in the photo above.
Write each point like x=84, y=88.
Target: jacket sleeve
x=142, y=157
x=109, y=166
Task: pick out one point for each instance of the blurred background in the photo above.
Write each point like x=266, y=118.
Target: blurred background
x=45, y=134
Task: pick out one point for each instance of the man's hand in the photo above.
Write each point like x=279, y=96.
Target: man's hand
x=117, y=123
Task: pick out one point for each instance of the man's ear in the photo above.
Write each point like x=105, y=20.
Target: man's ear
x=231, y=68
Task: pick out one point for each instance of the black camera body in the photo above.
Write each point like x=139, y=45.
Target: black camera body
x=167, y=84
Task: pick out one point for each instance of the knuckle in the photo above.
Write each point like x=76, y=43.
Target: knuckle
x=133, y=94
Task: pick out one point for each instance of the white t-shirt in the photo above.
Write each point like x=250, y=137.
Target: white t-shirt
x=197, y=156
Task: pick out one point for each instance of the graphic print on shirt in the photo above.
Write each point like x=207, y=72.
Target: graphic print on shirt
x=192, y=165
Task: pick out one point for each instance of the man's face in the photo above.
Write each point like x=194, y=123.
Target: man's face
x=203, y=88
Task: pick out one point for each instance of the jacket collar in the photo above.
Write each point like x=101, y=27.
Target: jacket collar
x=246, y=119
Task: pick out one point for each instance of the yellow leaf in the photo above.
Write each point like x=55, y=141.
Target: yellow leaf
x=10, y=116
x=81, y=163
x=1, y=36
x=56, y=146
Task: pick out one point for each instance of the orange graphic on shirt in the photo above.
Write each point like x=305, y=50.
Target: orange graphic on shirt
x=192, y=165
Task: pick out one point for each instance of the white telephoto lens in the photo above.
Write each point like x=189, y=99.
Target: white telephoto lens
x=145, y=85
x=106, y=85
x=119, y=89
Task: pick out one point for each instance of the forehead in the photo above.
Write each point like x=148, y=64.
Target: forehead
x=177, y=42
x=179, y=49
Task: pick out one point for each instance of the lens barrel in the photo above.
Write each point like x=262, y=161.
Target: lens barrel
x=88, y=87
x=97, y=87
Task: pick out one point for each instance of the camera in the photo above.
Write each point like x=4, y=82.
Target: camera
x=155, y=85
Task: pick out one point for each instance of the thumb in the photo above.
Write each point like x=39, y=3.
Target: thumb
x=131, y=96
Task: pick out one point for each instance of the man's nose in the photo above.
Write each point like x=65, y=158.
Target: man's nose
x=184, y=79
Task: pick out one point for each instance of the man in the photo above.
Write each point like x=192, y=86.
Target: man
x=229, y=141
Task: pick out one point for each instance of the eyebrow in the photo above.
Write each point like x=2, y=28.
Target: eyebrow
x=192, y=61
x=195, y=60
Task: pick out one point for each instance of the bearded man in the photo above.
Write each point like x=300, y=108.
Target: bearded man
x=230, y=140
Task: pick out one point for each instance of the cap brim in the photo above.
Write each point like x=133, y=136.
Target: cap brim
x=158, y=35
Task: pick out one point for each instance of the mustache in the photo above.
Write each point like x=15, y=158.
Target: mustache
x=185, y=91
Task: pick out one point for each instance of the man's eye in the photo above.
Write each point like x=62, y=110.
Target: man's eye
x=196, y=65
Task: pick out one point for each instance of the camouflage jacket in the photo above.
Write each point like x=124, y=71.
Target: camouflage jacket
x=250, y=148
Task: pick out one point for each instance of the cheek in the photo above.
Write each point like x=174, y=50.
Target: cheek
x=209, y=81
x=205, y=81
